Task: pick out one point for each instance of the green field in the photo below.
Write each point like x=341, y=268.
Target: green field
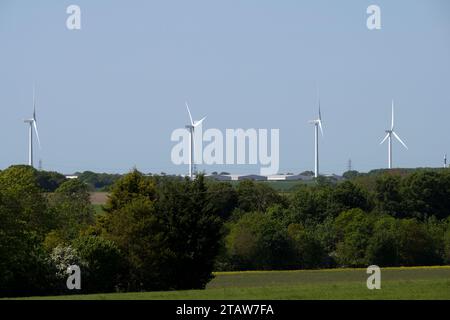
x=396, y=283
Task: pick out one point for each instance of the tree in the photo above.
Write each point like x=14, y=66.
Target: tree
x=346, y=196
x=171, y=238
x=353, y=229
x=25, y=219
x=72, y=208
x=24, y=269
x=98, y=181
x=416, y=247
x=383, y=248
x=351, y=174
x=309, y=205
x=388, y=195
x=256, y=196
x=49, y=181
x=222, y=199
x=104, y=264
x=19, y=186
x=309, y=252
x=130, y=187
x=256, y=241
x=427, y=193
x=446, y=255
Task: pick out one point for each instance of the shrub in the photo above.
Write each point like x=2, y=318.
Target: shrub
x=103, y=263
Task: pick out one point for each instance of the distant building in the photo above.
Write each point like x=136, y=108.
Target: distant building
x=299, y=177
x=290, y=177
x=252, y=177
x=236, y=177
x=219, y=177
x=71, y=177
x=275, y=177
x=334, y=176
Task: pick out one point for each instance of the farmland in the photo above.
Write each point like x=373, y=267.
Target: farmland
x=421, y=283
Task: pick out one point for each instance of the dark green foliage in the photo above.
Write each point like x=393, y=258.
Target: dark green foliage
x=256, y=241
x=309, y=205
x=416, y=246
x=130, y=187
x=19, y=187
x=256, y=196
x=222, y=199
x=427, y=194
x=352, y=229
x=98, y=181
x=446, y=245
x=72, y=209
x=382, y=248
x=346, y=196
x=171, y=239
x=350, y=174
x=308, y=250
x=388, y=195
x=104, y=264
x=24, y=269
x=49, y=181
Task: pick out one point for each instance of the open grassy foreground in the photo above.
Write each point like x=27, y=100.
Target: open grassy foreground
x=397, y=283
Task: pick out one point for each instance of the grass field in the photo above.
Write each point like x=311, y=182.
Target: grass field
x=420, y=283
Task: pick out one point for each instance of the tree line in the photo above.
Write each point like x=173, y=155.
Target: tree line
x=169, y=233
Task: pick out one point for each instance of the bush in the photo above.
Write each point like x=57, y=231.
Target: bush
x=26, y=270
x=256, y=241
x=382, y=248
x=416, y=247
x=72, y=210
x=308, y=250
x=353, y=229
x=103, y=264
x=446, y=255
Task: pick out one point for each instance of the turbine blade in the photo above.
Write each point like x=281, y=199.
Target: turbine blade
x=320, y=114
x=398, y=138
x=320, y=126
x=34, y=102
x=197, y=123
x=392, y=122
x=385, y=138
x=37, y=133
x=189, y=111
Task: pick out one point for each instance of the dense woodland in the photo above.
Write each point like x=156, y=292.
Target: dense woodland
x=168, y=233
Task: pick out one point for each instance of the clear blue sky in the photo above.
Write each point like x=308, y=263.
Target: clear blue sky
x=110, y=94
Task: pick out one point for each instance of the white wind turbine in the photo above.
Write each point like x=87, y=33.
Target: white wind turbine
x=33, y=125
x=389, y=134
x=191, y=127
x=317, y=124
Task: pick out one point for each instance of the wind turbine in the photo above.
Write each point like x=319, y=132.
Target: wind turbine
x=389, y=134
x=33, y=125
x=317, y=124
x=191, y=127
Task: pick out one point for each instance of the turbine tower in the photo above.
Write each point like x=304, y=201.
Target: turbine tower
x=389, y=134
x=33, y=125
x=191, y=127
x=317, y=124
